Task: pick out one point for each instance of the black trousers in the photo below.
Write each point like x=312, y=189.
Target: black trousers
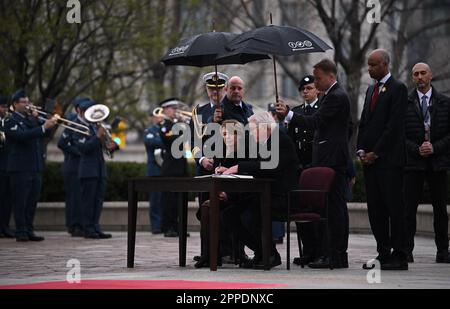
x=92, y=196
x=386, y=208
x=338, y=221
x=25, y=188
x=72, y=199
x=169, y=201
x=5, y=201
x=413, y=188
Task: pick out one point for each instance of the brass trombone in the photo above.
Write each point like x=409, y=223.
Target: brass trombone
x=65, y=123
x=158, y=112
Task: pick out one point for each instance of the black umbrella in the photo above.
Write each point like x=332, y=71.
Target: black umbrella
x=202, y=50
x=274, y=40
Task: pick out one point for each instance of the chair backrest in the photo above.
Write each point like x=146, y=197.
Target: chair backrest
x=316, y=178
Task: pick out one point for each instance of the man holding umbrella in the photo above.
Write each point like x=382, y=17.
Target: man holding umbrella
x=330, y=149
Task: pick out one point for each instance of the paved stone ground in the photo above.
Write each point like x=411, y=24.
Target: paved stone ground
x=157, y=259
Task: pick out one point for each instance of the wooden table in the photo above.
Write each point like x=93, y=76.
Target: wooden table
x=211, y=185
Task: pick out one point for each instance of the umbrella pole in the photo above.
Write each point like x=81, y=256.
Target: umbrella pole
x=274, y=68
x=275, y=75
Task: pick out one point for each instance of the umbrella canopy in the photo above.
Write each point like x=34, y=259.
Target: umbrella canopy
x=202, y=50
x=277, y=40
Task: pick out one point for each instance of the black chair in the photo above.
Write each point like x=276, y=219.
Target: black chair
x=312, y=206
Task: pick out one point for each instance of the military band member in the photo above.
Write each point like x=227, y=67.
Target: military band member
x=303, y=140
x=5, y=200
x=92, y=174
x=153, y=142
x=171, y=167
x=25, y=163
x=67, y=144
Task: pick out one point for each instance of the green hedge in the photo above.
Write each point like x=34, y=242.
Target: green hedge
x=119, y=172
x=117, y=185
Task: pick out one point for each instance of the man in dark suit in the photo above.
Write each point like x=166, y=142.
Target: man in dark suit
x=5, y=200
x=232, y=105
x=92, y=174
x=171, y=167
x=330, y=149
x=25, y=163
x=381, y=148
x=281, y=161
x=72, y=156
x=427, y=126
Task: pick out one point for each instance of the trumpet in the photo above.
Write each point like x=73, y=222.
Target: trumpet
x=96, y=114
x=181, y=115
x=65, y=123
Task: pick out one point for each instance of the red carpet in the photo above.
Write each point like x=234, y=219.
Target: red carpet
x=141, y=285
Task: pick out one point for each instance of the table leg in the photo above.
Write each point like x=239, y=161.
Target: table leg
x=182, y=227
x=266, y=226
x=132, y=217
x=213, y=228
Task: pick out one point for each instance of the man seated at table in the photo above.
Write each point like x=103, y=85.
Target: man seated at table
x=276, y=159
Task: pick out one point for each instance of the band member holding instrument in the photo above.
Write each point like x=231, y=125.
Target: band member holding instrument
x=171, y=167
x=71, y=164
x=92, y=173
x=25, y=163
x=5, y=200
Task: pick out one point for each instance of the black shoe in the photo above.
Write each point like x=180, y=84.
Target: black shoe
x=22, y=237
x=6, y=233
x=410, y=258
x=274, y=261
x=34, y=237
x=92, y=235
x=381, y=258
x=102, y=235
x=302, y=261
x=443, y=257
x=322, y=262
x=204, y=262
x=77, y=232
x=171, y=233
x=156, y=232
x=395, y=264
x=197, y=258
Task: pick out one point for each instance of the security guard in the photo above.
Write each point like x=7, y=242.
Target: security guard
x=303, y=141
x=92, y=174
x=153, y=142
x=25, y=163
x=5, y=200
x=171, y=167
x=72, y=156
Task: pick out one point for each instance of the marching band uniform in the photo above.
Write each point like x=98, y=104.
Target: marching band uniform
x=152, y=141
x=25, y=165
x=71, y=163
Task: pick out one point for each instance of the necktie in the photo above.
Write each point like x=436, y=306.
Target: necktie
x=425, y=113
x=307, y=109
x=376, y=93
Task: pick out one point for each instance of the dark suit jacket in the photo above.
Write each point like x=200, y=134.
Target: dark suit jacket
x=439, y=132
x=24, y=141
x=171, y=166
x=383, y=130
x=233, y=111
x=331, y=122
x=67, y=144
x=284, y=175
